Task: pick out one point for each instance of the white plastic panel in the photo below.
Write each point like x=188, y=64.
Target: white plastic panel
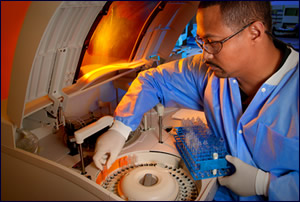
x=67, y=30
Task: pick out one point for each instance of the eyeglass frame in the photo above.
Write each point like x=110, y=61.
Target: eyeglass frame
x=202, y=46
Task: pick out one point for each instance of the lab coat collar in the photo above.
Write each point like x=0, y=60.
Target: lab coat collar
x=290, y=63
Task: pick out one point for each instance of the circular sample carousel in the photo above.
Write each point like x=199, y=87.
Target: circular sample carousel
x=151, y=180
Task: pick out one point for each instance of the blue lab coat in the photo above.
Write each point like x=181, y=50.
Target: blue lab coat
x=265, y=136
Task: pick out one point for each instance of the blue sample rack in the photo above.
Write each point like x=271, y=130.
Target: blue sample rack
x=203, y=152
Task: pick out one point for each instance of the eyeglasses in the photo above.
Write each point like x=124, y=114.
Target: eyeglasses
x=215, y=47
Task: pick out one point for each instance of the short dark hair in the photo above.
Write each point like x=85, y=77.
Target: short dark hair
x=239, y=13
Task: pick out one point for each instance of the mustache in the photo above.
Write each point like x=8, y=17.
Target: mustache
x=208, y=63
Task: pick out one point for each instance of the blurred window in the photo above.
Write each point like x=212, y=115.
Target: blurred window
x=291, y=12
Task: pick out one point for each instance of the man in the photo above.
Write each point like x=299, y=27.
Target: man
x=246, y=82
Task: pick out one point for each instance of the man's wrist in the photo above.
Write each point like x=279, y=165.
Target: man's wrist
x=262, y=182
x=121, y=128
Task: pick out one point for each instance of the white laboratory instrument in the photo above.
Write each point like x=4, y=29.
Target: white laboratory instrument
x=60, y=81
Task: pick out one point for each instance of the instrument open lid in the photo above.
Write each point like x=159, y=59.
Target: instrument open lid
x=60, y=58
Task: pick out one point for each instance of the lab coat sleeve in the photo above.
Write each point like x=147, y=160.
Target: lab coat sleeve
x=284, y=176
x=175, y=84
x=277, y=143
x=285, y=187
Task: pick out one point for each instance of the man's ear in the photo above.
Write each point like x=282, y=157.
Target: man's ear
x=256, y=31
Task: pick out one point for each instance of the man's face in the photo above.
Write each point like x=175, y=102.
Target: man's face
x=232, y=59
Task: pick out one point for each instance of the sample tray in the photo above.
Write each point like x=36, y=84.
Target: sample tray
x=203, y=152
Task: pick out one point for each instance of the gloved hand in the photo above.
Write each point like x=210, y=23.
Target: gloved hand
x=108, y=146
x=246, y=180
